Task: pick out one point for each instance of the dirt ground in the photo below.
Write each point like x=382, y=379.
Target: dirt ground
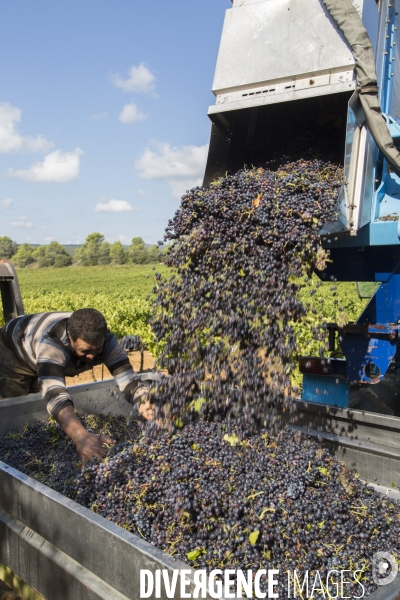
x=101, y=372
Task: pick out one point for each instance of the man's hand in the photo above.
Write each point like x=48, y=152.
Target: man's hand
x=88, y=445
x=146, y=410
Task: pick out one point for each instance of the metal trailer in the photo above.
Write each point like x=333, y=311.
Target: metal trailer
x=59, y=548
x=66, y=552
x=10, y=293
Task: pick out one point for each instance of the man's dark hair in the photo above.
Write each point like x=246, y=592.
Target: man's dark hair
x=87, y=324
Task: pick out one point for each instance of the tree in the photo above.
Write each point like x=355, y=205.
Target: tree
x=104, y=254
x=138, y=241
x=7, y=247
x=52, y=255
x=88, y=255
x=59, y=255
x=137, y=251
x=39, y=255
x=24, y=255
x=153, y=254
x=117, y=253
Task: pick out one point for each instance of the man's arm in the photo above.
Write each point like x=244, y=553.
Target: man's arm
x=88, y=445
x=51, y=360
x=127, y=380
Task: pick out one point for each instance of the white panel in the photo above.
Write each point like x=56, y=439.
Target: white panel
x=268, y=40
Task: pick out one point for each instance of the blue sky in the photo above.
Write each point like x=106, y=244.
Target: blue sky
x=103, y=114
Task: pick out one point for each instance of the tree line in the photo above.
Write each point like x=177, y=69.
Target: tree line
x=95, y=251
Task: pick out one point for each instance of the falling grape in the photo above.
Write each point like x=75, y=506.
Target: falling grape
x=227, y=318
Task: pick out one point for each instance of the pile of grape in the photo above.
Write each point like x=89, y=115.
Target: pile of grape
x=267, y=501
x=44, y=452
x=227, y=318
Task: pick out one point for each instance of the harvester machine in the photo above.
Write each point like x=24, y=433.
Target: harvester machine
x=286, y=80
x=323, y=75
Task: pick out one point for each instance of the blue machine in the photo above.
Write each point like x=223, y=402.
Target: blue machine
x=364, y=243
x=286, y=71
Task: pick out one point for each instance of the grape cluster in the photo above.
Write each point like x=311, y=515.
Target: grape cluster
x=226, y=318
x=132, y=343
x=271, y=500
x=43, y=451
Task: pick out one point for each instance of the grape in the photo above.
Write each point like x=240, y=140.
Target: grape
x=217, y=480
x=226, y=320
x=202, y=495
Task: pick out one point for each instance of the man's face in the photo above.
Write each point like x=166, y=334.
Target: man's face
x=85, y=351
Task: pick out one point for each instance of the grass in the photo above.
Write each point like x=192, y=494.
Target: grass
x=130, y=279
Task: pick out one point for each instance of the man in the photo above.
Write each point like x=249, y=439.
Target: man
x=38, y=351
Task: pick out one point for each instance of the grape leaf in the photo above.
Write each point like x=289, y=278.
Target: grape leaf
x=193, y=554
x=256, y=202
x=232, y=439
x=253, y=537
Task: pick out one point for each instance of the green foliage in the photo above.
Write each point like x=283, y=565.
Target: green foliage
x=94, y=252
x=137, y=280
x=138, y=242
x=24, y=255
x=119, y=292
x=137, y=251
x=52, y=255
x=117, y=254
x=7, y=247
x=330, y=303
x=139, y=255
x=88, y=255
x=153, y=254
x=104, y=254
x=194, y=554
x=125, y=316
x=253, y=537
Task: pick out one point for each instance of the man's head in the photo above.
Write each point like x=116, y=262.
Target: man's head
x=87, y=329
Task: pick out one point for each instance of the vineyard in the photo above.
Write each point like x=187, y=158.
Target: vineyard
x=124, y=295
x=118, y=292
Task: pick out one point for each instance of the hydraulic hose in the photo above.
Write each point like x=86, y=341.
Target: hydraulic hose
x=349, y=21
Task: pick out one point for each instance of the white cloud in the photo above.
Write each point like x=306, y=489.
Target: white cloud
x=11, y=140
x=124, y=239
x=102, y=115
x=143, y=193
x=182, y=167
x=58, y=166
x=114, y=206
x=131, y=114
x=6, y=203
x=178, y=186
x=140, y=79
x=49, y=238
x=22, y=222
x=74, y=241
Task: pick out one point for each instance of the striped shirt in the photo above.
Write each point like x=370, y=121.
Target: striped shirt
x=41, y=343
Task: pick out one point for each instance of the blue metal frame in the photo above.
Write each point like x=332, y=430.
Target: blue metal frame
x=370, y=344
